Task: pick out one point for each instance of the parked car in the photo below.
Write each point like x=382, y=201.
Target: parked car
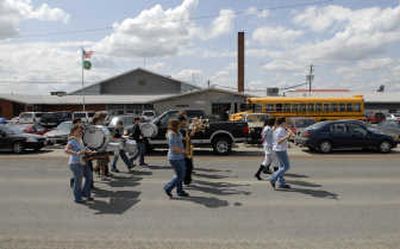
x=52, y=119
x=393, y=117
x=30, y=128
x=219, y=135
x=148, y=115
x=12, y=139
x=29, y=117
x=60, y=134
x=86, y=117
x=391, y=128
x=3, y=120
x=375, y=117
x=344, y=134
x=126, y=120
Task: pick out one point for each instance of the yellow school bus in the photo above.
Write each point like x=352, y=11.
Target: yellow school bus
x=314, y=107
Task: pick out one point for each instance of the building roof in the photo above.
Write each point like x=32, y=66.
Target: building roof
x=77, y=99
x=212, y=89
x=132, y=71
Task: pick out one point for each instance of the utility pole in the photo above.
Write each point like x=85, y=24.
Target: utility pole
x=310, y=78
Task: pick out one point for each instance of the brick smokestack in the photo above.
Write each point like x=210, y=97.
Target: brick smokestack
x=240, y=79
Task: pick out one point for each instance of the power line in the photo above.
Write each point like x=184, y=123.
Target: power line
x=200, y=17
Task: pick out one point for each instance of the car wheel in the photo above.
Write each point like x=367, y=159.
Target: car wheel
x=325, y=147
x=17, y=148
x=385, y=147
x=222, y=146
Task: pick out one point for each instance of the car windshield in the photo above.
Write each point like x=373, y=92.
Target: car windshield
x=302, y=123
x=64, y=126
x=318, y=125
x=26, y=115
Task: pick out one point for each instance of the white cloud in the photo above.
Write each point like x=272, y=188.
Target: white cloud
x=283, y=65
x=13, y=12
x=320, y=19
x=275, y=35
x=193, y=76
x=366, y=32
x=163, y=32
x=260, y=13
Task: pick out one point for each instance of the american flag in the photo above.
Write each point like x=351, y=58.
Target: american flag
x=87, y=54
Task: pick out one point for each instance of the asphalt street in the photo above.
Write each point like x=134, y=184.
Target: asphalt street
x=343, y=200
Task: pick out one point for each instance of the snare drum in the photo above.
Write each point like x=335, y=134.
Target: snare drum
x=96, y=137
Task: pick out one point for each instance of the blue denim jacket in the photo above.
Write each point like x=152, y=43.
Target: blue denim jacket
x=174, y=140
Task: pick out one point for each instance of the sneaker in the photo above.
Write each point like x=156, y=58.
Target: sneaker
x=183, y=194
x=90, y=199
x=115, y=170
x=285, y=186
x=168, y=193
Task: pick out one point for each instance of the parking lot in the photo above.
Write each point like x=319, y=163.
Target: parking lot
x=341, y=200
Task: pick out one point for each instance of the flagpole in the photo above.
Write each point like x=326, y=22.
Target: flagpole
x=83, y=82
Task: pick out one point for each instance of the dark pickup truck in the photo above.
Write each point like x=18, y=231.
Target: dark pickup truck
x=219, y=135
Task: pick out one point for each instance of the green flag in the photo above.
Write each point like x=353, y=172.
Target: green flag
x=87, y=65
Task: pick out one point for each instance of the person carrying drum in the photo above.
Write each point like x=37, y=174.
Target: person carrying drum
x=135, y=133
x=101, y=157
x=117, y=136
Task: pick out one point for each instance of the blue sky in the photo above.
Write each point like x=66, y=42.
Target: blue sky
x=353, y=44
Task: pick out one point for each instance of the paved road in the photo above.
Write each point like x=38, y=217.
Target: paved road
x=344, y=200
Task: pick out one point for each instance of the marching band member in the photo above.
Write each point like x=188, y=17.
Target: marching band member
x=101, y=157
x=135, y=133
x=75, y=150
x=280, y=147
x=117, y=136
x=187, y=142
x=176, y=158
x=267, y=141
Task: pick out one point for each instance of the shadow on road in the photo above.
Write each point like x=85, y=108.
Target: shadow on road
x=119, y=201
x=312, y=192
x=219, y=188
x=209, y=176
x=208, y=170
x=207, y=153
x=210, y=202
x=304, y=183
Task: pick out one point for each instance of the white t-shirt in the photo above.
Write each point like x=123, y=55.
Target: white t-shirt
x=267, y=136
x=279, y=133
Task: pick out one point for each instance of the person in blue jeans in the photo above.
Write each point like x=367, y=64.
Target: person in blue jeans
x=281, y=136
x=75, y=150
x=176, y=158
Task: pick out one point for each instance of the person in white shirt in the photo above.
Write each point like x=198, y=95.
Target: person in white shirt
x=280, y=145
x=267, y=141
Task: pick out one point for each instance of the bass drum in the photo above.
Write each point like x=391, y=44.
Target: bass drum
x=96, y=137
x=149, y=130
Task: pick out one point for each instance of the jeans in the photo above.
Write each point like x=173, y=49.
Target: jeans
x=188, y=170
x=284, y=165
x=141, y=151
x=177, y=181
x=87, y=186
x=77, y=172
x=124, y=157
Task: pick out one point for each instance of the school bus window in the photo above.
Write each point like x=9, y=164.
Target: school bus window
x=257, y=108
x=349, y=107
x=357, y=107
x=295, y=107
x=318, y=107
x=310, y=107
x=342, y=107
x=326, y=108
x=303, y=108
x=269, y=107
x=334, y=107
x=278, y=107
x=286, y=107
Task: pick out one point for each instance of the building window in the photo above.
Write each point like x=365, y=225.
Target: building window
x=220, y=108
